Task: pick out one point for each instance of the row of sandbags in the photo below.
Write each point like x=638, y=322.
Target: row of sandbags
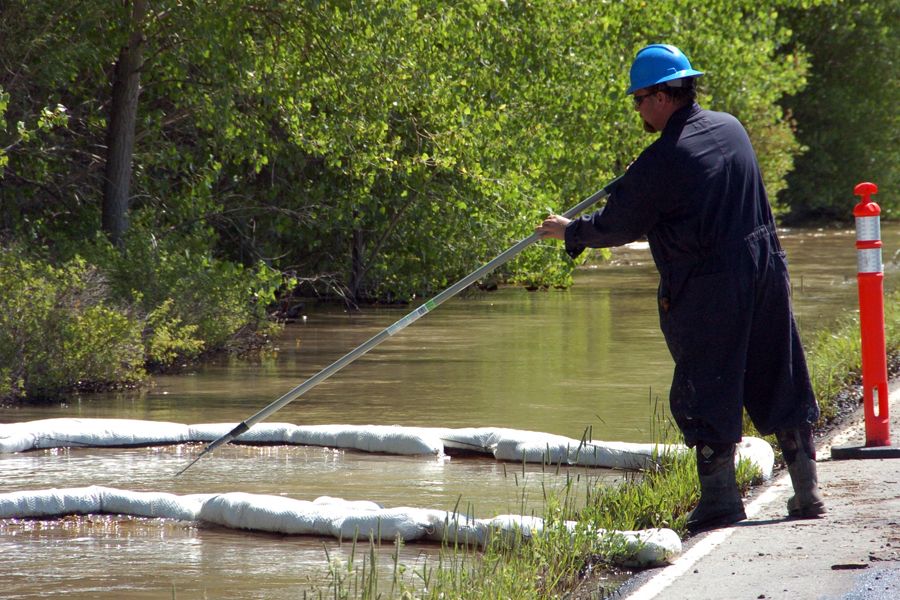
x=325, y=516
x=501, y=443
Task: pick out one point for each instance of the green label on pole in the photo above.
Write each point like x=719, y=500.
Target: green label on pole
x=411, y=317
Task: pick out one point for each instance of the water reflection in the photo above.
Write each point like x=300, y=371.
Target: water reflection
x=124, y=557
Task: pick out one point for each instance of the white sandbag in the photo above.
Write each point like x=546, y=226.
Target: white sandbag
x=516, y=525
x=454, y=528
x=530, y=446
x=503, y=443
x=261, y=433
x=533, y=446
x=276, y=514
x=100, y=500
x=74, y=433
x=151, y=504
x=15, y=438
x=759, y=453
x=334, y=517
x=50, y=503
x=351, y=504
x=326, y=516
x=481, y=440
x=620, y=455
x=386, y=524
x=644, y=548
x=388, y=439
x=67, y=432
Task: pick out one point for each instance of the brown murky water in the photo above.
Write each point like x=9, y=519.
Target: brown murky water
x=560, y=361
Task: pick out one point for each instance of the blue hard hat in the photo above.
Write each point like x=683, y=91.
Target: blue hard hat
x=659, y=63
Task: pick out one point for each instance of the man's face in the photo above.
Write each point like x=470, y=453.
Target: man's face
x=649, y=103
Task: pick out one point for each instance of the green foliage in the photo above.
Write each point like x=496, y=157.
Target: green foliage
x=167, y=338
x=385, y=148
x=845, y=117
x=480, y=117
x=57, y=332
x=372, y=150
x=82, y=325
x=834, y=363
x=193, y=301
x=659, y=498
x=516, y=564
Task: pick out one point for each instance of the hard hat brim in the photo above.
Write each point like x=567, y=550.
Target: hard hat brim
x=669, y=77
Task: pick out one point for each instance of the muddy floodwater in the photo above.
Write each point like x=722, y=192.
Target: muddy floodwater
x=587, y=359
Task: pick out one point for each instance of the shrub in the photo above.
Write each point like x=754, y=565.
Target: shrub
x=191, y=300
x=100, y=321
x=58, y=332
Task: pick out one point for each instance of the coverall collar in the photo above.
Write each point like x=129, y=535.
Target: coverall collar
x=679, y=117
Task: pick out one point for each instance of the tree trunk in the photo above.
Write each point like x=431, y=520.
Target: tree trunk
x=357, y=265
x=120, y=130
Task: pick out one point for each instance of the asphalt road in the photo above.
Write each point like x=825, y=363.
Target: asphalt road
x=853, y=553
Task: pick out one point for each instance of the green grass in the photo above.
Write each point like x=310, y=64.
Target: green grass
x=557, y=563
x=834, y=355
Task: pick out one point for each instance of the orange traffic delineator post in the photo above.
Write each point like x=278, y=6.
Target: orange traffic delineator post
x=870, y=280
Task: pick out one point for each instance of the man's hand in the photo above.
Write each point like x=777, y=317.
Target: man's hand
x=553, y=226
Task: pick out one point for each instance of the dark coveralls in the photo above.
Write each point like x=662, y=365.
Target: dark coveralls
x=724, y=292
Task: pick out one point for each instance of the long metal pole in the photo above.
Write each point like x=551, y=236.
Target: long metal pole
x=401, y=324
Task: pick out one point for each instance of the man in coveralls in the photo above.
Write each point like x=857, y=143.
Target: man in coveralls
x=724, y=293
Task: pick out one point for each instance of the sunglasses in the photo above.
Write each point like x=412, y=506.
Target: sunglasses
x=640, y=99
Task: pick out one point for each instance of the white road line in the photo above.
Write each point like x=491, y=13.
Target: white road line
x=664, y=578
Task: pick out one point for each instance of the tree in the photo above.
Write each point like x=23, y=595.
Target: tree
x=383, y=148
x=120, y=131
x=845, y=117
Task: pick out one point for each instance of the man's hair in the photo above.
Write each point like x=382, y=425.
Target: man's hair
x=680, y=90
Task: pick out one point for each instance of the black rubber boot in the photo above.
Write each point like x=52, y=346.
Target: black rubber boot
x=800, y=455
x=720, y=499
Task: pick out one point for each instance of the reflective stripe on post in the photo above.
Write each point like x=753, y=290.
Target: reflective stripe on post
x=868, y=228
x=870, y=279
x=868, y=260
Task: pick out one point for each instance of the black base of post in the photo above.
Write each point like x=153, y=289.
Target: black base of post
x=864, y=452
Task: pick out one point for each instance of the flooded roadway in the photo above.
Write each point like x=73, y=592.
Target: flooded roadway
x=563, y=361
